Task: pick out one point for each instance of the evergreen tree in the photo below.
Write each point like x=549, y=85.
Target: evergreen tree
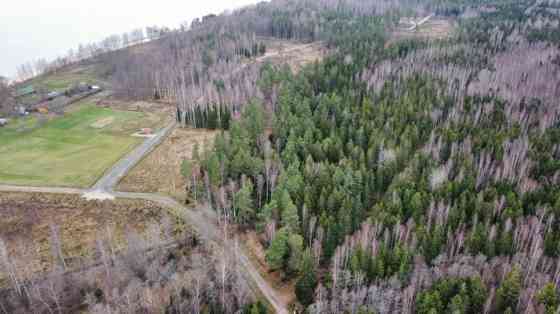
x=307, y=281
x=508, y=293
x=548, y=297
x=295, y=243
x=278, y=251
x=243, y=203
x=253, y=121
x=290, y=218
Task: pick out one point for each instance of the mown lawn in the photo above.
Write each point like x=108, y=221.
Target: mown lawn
x=70, y=151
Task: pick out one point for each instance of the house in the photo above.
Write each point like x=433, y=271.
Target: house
x=3, y=122
x=24, y=91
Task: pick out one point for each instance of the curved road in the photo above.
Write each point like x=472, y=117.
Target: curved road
x=202, y=220
x=205, y=222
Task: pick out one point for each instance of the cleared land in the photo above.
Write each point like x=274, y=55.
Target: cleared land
x=26, y=220
x=160, y=172
x=434, y=29
x=69, y=151
x=295, y=54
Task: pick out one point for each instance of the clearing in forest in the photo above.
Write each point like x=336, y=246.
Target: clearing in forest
x=292, y=53
x=30, y=223
x=433, y=28
x=160, y=171
x=68, y=151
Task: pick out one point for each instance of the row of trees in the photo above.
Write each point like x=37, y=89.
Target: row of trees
x=210, y=117
x=90, y=51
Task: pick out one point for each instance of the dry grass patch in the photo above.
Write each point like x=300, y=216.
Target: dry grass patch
x=160, y=172
x=26, y=222
x=295, y=54
x=156, y=114
x=434, y=29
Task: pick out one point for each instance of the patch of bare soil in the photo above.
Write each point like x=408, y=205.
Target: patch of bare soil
x=160, y=171
x=157, y=114
x=256, y=252
x=101, y=123
x=295, y=54
x=433, y=29
x=27, y=221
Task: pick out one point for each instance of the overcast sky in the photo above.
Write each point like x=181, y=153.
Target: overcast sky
x=31, y=29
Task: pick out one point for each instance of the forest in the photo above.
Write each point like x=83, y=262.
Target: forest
x=420, y=177
x=392, y=176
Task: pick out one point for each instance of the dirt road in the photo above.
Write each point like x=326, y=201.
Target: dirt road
x=119, y=170
x=205, y=222
x=202, y=220
x=29, y=189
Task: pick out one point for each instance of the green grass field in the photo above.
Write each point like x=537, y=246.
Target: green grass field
x=70, y=151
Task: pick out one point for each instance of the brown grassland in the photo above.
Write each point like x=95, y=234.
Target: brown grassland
x=160, y=172
x=26, y=221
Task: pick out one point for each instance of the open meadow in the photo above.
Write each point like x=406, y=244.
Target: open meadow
x=69, y=151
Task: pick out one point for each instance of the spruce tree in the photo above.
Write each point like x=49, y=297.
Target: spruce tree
x=548, y=297
x=307, y=282
x=507, y=295
x=290, y=218
x=278, y=250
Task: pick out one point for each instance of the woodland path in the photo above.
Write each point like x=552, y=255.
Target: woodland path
x=204, y=221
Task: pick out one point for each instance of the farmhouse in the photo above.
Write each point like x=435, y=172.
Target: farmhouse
x=24, y=91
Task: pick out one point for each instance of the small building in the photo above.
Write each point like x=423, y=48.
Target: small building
x=24, y=91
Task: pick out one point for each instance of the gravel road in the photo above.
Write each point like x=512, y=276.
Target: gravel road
x=120, y=169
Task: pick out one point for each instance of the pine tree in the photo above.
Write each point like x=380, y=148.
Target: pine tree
x=307, y=282
x=507, y=295
x=478, y=294
x=295, y=243
x=548, y=297
x=290, y=218
x=278, y=250
x=429, y=303
x=457, y=305
x=243, y=203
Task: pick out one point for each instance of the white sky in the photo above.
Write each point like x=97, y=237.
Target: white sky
x=31, y=29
